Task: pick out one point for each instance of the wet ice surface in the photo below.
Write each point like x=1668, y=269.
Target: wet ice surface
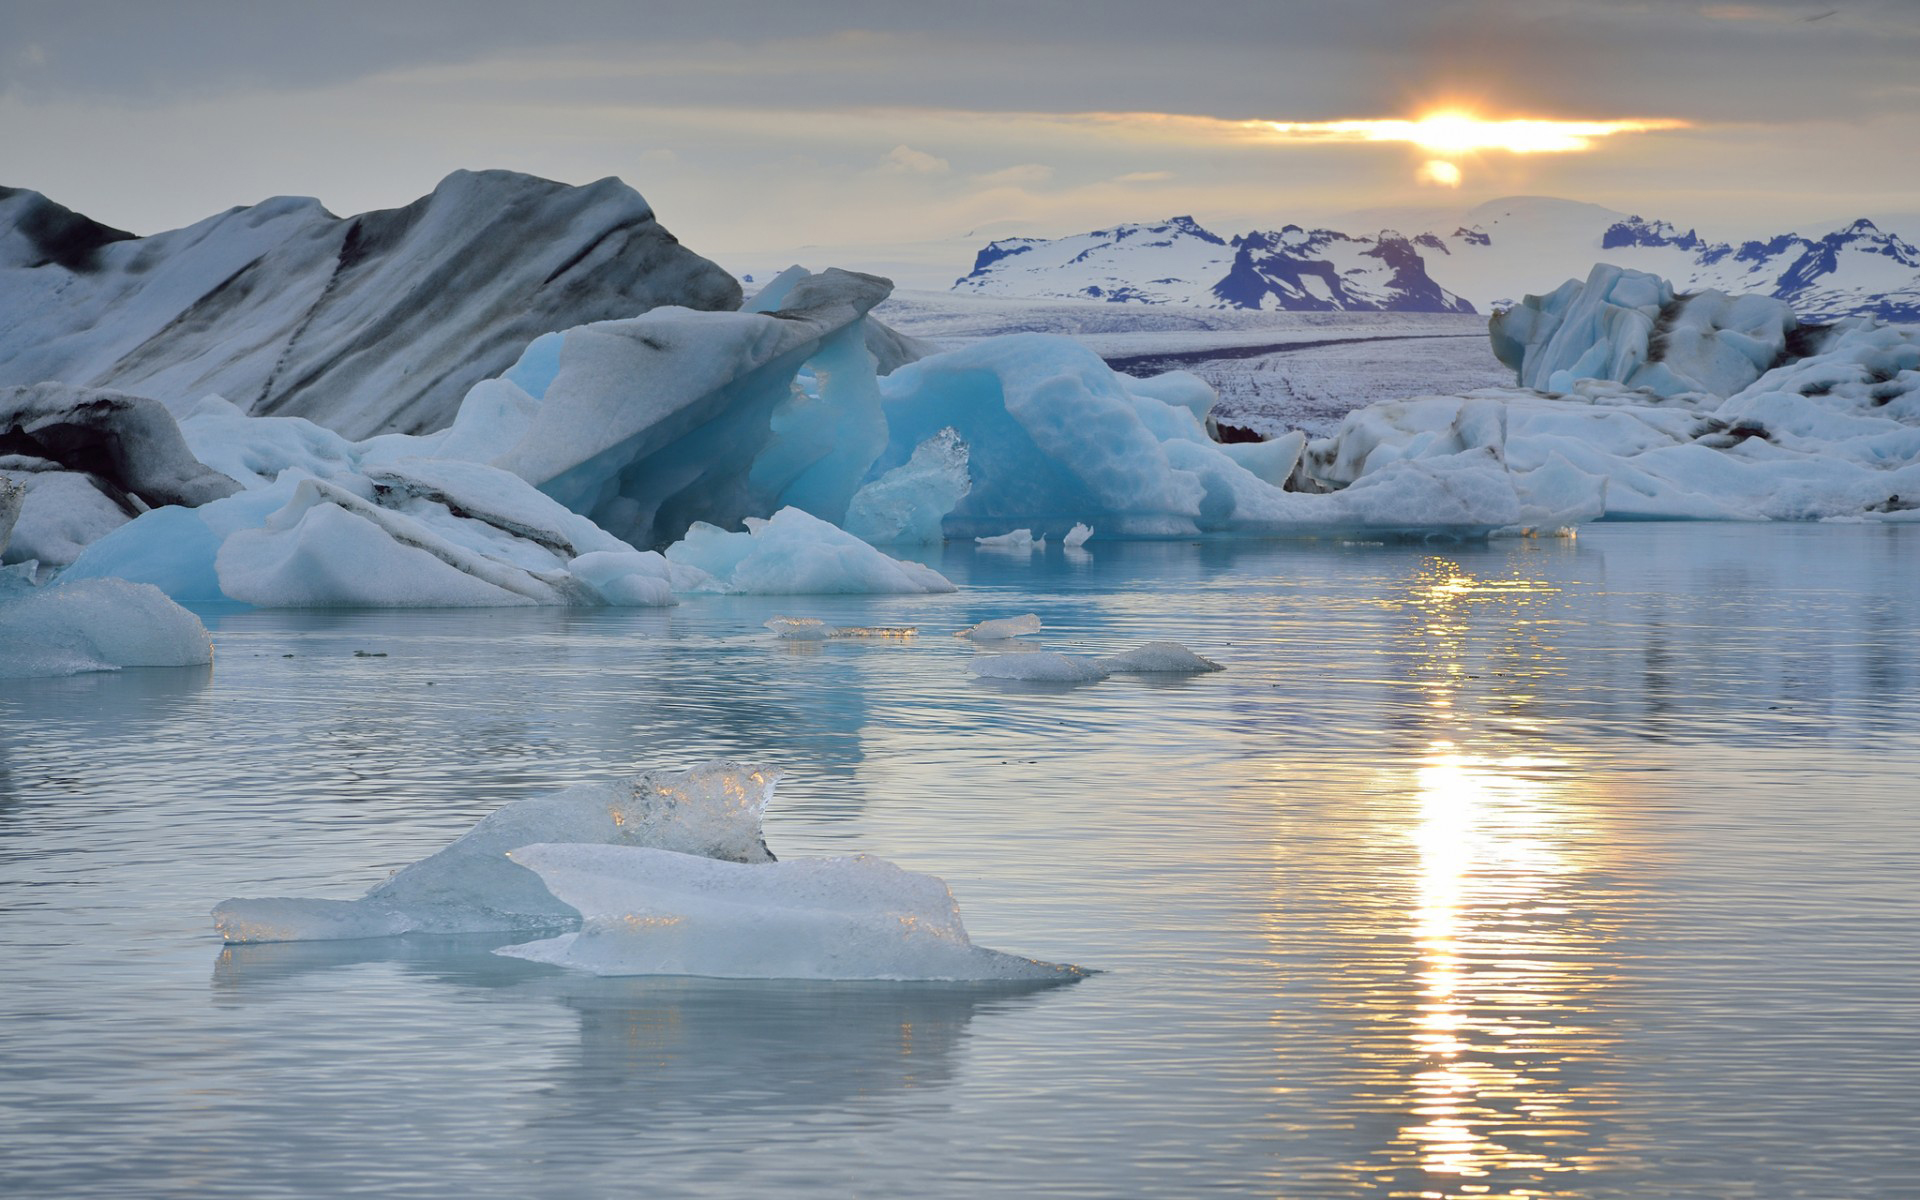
x=1577, y=869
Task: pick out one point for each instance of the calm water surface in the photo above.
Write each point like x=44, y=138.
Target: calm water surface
x=1545, y=869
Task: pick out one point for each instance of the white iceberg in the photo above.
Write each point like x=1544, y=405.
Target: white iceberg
x=1078, y=535
x=654, y=912
x=713, y=810
x=1019, y=541
x=93, y=625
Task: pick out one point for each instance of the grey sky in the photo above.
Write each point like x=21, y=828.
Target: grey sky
x=763, y=125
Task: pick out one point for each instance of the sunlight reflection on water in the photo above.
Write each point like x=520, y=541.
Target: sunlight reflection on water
x=1547, y=869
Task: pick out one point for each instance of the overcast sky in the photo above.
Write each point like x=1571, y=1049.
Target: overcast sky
x=765, y=126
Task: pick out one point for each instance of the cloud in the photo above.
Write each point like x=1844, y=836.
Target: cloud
x=1144, y=177
x=1439, y=172
x=905, y=160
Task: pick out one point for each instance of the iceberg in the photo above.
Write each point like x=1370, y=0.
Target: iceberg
x=653, y=912
x=93, y=625
x=792, y=553
x=908, y=503
x=1077, y=536
x=711, y=810
x=1809, y=422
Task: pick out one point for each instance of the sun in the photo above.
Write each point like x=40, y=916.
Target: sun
x=1447, y=136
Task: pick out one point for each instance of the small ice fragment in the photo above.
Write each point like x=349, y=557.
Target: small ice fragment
x=1019, y=539
x=799, y=629
x=1042, y=666
x=1004, y=627
x=874, y=631
x=1158, y=658
x=1077, y=536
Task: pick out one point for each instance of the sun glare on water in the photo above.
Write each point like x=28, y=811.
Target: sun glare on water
x=1449, y=136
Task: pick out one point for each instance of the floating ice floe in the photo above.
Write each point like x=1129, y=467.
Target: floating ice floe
x=1157, y=658
x=651, y=912
x=1046, y=666
x=1001, y=628
x=813, y=629
x=665, y=874
x=93, y=625
x=1077, y=536
x=712, y=810
x=1018, y=541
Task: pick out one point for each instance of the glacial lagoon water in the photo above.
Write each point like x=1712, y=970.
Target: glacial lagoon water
x=1547, y=868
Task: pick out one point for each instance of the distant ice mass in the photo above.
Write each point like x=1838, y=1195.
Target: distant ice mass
x=1077, y=536
x=712, y=810
x=653, y=912
x=1647, y=404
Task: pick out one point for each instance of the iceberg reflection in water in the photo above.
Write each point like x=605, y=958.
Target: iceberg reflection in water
x=1573, y=868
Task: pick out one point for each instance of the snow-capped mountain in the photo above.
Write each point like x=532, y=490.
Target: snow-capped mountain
x=369, y=324
x=1181, y=262
x=1492, y=256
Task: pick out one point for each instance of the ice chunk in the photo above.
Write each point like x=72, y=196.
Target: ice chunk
x=1630, y=327
x=713, y=810
x=1077, y=536
x=908, y=503
x=652, y=912
x=792, y=553
x=1157, y=658
x=60, y=513
x=94, y=625
x=798, y=629
x=676, y=416
x=1019, y=541
x=1002, y=627
x=11, y=494
x=1040, y=666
